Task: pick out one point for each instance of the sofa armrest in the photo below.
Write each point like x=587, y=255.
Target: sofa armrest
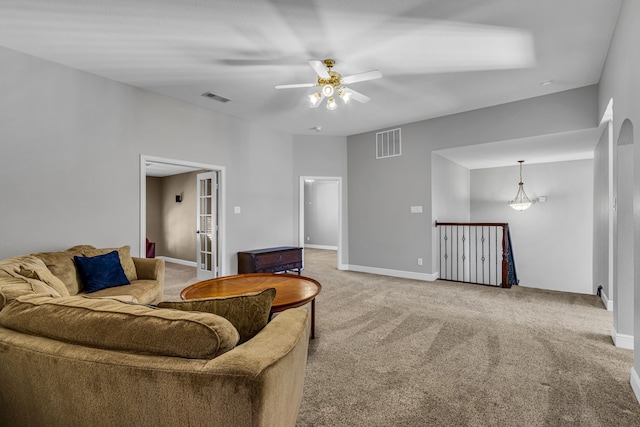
x=149, y=268
x=267, y=372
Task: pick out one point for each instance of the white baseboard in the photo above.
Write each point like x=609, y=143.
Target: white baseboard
x=393, y=273
x=179, y=261
x=622, y=340
x=635, y=383
x=330, y=248
x=607, y=302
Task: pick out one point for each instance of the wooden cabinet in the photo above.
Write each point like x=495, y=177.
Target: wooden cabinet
x=270, y=260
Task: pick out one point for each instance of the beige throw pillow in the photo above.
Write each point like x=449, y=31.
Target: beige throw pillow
x=61, y=265
x=31, y=267
x=249, y=313
x=12, y=286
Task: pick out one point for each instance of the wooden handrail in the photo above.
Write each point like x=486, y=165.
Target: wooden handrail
x=488, y=224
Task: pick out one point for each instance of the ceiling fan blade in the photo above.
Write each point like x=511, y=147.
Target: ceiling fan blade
x=361, y=77
x=357, y=95
x=319, y=68
x=295, y=85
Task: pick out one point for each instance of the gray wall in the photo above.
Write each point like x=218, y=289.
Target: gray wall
x=552, y=241
x=382, y=231
x=624, y=250
x=321, y=200
x=451, y=191
x=621, y=83
x=70, y=168
x=451, y=194
x=323, y=156
x=601, y=218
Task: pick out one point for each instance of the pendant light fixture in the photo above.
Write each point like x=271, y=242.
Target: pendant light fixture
x=521, y=201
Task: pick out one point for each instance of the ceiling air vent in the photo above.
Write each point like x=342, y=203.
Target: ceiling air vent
x=215, y=97
x=388, y=144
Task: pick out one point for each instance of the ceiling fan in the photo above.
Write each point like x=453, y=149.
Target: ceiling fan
x=332, y=83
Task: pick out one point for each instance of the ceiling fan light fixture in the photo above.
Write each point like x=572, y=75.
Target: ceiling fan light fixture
x=327, y=90
x=329, y=83
x=344, y=95
x=331, y=103
x=315, y=98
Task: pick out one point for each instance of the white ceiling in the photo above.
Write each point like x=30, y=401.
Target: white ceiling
x=437, y=57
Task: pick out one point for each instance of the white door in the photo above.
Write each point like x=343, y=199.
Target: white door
x=207, y=240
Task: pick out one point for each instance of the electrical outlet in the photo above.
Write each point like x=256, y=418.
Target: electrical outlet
x=419, y=261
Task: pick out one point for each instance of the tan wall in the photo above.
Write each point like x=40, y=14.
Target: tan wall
x=179, y=219
x=154, y=218
x=170, y=224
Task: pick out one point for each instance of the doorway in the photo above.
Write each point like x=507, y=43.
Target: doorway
x=151, y=166
x=326, y=191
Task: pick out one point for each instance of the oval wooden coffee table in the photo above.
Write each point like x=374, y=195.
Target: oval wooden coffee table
x=291, y=290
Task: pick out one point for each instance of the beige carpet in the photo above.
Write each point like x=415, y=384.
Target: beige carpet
x=176, y=278
x=396, y=352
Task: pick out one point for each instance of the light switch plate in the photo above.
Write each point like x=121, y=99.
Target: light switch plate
x=416, y=209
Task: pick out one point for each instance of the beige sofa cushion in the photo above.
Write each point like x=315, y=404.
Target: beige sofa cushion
x=124, y=298
x=144, y=291
x=249, y=313
x=12, y=287
x=33, y=270
x=62, y=266
x=115, y=325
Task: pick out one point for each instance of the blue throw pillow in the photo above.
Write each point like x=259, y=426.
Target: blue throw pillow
x=100, y=272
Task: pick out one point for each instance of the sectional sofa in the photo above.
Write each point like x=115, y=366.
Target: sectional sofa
x=113, y=357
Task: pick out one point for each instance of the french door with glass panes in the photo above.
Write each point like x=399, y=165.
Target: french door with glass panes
x=207, y=232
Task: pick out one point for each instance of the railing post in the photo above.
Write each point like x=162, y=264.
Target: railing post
x=505, y=260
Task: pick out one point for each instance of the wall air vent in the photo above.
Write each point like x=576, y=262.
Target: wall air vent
x=388, y=144
x=215, y=97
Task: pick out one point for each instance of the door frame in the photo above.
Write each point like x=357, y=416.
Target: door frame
x=144, y=158
x=301, y=212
